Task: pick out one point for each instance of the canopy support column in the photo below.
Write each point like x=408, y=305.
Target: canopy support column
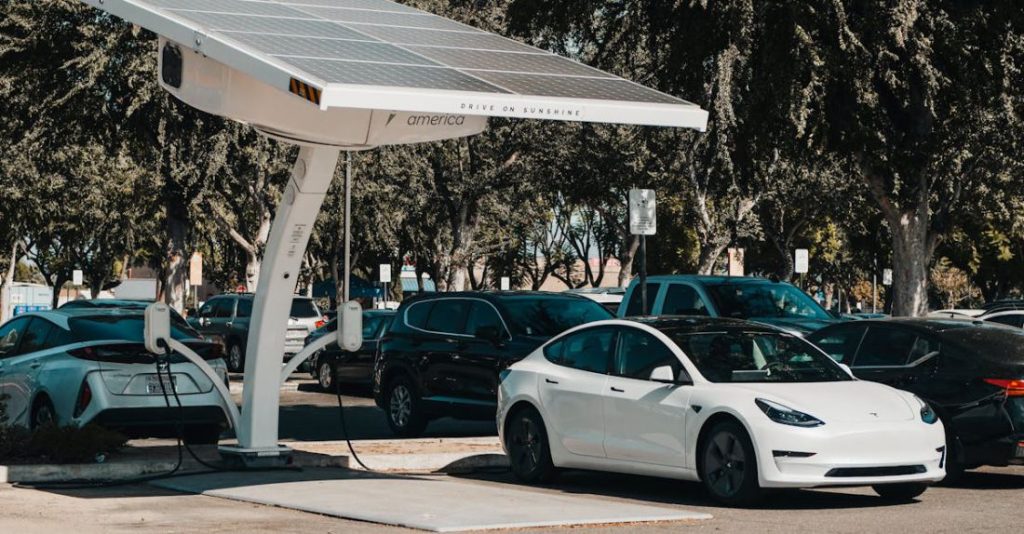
x=282, y=261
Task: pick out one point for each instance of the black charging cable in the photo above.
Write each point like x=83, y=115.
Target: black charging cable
x=344, y=426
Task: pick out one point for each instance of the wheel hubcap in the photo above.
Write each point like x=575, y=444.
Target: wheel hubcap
x=326, y=376
x=526, y=445
x=236, y=357
x=43, y=416
x=401, y=405
x=725, y=464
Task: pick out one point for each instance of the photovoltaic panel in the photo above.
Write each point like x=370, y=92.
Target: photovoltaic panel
x=378, y=54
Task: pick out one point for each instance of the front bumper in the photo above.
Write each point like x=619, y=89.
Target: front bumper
x=848, y=454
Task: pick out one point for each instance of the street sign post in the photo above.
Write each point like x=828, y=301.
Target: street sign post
x=385, y=278
x=506, y=283
x=195, y=276
x=887, y=277
x=643, y=221
x=802, y=261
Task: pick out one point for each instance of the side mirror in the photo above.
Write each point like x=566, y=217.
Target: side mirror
x=489, y=333
x=667, y=375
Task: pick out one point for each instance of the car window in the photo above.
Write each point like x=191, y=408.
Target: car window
x=756, y=357
x=633, y=308
x=304, y=309
x=482, y=314
x=640, y=353
x=553, y=352
x=1009, y=320
x=224, y=308
x=681, y=299
x=244, y=308
x=416, y=315
x=589, y=350
x=117, y=327
x=840, y=342
x=766, y=300
x=58, y=338
x=10, y=335
x=449, y=316
x=923, y=347
x=548, y=315
x=207, y=309
x=370, y=326
x=885, y=347
x=35, y=336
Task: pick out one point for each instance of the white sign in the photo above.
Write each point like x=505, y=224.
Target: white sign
x=76, y=277
x=506, y=283
x=385, y=273
x=802, y=257
x=195, y=269
x=643, y=217
x=887, y=277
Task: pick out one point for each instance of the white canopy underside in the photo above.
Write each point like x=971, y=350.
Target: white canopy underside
x=379, y=55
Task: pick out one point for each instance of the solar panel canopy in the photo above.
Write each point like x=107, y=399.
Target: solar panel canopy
x=381, y=55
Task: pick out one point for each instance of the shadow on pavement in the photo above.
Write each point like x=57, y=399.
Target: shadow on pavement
x=307, y=422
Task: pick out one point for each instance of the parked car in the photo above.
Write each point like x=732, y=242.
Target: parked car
x=778, y=304
x=225, y=319
x=609, y=297
x=443, y=352
x=333, y=366
x=739, y=406
x=80, y=365
x=1014, y=318
x=969, y=371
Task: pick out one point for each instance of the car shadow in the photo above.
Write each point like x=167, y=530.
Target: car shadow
x=307, y=422
x=683, y=493
x=990, y=480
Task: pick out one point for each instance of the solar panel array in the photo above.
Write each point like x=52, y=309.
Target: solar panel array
x=383, y=43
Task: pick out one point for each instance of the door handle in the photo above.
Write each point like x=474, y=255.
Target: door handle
x=549, y=381
x=617, y=390
x=35, y=365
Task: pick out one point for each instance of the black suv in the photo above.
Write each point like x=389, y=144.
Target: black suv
x=443, y=353
x=971, y=372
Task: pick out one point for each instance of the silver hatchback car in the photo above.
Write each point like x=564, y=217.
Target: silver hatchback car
x=77, y=366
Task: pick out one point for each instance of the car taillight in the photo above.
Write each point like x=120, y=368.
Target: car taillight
x=84, y=398
x=320, y=323
x=1013, y=387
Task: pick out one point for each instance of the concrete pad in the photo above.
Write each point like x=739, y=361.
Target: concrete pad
x=432, y=504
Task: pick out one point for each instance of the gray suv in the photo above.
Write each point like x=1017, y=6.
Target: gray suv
x=225, y=319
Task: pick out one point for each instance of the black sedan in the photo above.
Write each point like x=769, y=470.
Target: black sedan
x=971, y=372
x=333, y=366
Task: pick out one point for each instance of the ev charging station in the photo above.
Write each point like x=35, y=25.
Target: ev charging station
x=334, y=75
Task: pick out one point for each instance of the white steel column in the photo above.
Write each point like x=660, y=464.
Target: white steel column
x=289, y=235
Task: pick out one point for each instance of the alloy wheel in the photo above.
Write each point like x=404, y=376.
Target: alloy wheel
x=526, y=445
x=43, y=416
x=325, y=376
x=235, y=358
x=400, y=405
x=725, y=464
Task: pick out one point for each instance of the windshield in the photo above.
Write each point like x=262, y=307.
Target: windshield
x=757, y=357
x=549, y=316
x=122, y=328
x=304, y=308
x=743, y=301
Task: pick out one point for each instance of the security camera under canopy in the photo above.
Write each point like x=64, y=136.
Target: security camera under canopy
x=354, y=74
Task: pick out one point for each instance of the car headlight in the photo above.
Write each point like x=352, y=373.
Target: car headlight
x=786, y=415
x=928, y=415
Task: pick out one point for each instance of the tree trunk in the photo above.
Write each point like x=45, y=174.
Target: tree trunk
x=912, y=248
x=177, y=265
x=58, y=288
x=709, y=254
x=6, y=282
x=626, y=261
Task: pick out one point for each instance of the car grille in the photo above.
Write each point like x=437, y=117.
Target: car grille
x=894, y=471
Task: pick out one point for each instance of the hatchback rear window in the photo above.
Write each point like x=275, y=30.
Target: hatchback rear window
x=120, y=328
x=304, y=308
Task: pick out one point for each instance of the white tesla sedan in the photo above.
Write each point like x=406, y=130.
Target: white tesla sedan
x=736, y=405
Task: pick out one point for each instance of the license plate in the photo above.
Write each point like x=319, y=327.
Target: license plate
x=153, y=386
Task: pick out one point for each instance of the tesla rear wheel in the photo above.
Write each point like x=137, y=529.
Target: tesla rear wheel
x=904, y=492
x=236, y=359
x=325, y=376
x=405, y=416
x=528, y=449
x=43, y=414
x=728, y=467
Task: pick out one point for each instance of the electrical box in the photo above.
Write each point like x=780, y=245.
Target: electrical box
x=158, y=326
x=350, y=326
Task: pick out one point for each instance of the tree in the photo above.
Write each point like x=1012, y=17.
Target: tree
x=922, y=98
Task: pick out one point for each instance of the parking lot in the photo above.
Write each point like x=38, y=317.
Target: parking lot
x=986, y=500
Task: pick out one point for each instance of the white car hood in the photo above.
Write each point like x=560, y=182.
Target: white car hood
x=853, y=401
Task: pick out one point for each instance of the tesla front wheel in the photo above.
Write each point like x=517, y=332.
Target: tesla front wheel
x=529, y=454
x=903, y=492
x=404, y=414
x=728, y=465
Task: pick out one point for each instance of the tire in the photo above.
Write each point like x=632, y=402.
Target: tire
x=326, y=376
x=728, y=465
x=903, y=492
x=201, y=434
x=954, y=461
x=236, y=358
x=529, y=452
x=402, y=409
x=42, y=414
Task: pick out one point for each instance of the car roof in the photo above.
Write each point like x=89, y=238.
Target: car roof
x=696, y=324
x=494, y=295
x=710, y=279
x=106, y=303
x=62, y=316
